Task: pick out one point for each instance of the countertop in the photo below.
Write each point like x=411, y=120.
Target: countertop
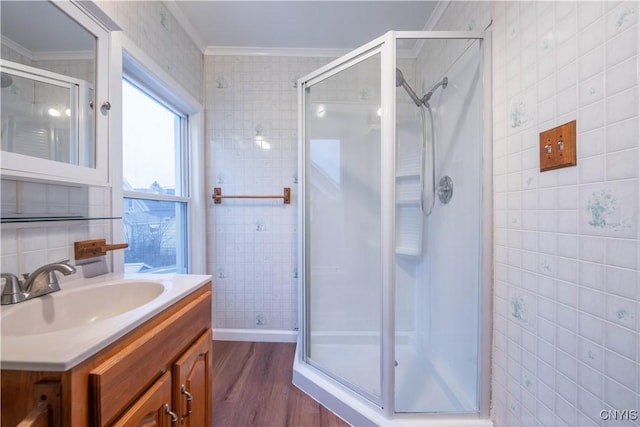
x=62, y=350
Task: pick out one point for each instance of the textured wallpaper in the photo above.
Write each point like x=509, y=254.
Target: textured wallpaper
x=566, y=321
x=151, y=26
x=252, y=137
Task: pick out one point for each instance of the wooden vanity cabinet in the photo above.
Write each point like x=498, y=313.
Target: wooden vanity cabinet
x=151, y=409
x=136, y=381
x=180, y=397
x=192, y=386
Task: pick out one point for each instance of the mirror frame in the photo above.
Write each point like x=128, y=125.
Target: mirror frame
x=19, y=166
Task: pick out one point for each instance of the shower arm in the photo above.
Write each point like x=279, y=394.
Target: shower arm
x=412, y=94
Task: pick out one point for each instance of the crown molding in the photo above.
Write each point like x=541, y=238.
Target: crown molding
x=17, y=47
x=270, y=51
x=71, y=55
x=48, y=56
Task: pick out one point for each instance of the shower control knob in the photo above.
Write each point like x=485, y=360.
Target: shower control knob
x=445, y=189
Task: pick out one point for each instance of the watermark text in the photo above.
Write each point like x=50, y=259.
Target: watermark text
x=619, y=414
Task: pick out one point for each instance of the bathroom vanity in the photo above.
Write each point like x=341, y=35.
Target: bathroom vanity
x=145, y=363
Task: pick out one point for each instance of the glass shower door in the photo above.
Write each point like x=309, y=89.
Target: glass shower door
x=343, y=225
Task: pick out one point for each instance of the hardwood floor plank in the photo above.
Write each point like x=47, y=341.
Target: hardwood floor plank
x=252, y=387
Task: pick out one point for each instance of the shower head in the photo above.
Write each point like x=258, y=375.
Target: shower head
x=444, y=82
x=400, y=81
x=399, y=77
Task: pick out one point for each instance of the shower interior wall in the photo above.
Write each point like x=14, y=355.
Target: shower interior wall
x=438, y=290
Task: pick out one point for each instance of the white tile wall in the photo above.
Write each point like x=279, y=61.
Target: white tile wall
x=26, y=247
x=151, y=26
x=251, y=101
x=566, y=265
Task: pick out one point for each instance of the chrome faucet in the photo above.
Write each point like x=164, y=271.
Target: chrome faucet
x=41, y=282
x=12, y=292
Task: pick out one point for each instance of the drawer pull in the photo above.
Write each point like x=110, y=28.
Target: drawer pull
x=184, y=391
x=167, y=410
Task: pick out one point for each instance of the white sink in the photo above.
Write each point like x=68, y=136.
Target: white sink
x=57, y=331
x=78, y=307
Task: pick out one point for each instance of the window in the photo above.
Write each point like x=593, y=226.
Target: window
x=155, y=183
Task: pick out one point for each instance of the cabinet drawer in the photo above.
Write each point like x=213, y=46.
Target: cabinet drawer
x=120, y=380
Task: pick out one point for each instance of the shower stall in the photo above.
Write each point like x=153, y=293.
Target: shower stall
x=395, y=231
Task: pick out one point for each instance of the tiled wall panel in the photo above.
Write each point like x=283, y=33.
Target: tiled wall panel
x=26, y=247
x=252, y=132
x=151, y=26
x=566, y=241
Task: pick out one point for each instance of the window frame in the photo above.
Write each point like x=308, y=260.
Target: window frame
x=132, y=63
x=182, y=181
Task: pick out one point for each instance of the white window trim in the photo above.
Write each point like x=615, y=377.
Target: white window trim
x=127, y=56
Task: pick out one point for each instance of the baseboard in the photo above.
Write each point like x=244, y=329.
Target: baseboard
x=255, y=335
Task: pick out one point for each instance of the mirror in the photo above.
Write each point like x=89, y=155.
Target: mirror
x=48, y=79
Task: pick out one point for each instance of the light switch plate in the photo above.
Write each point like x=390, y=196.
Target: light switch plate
x=558, y=147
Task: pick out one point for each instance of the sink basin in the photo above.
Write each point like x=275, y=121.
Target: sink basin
x=58, y=331
x=79, y=306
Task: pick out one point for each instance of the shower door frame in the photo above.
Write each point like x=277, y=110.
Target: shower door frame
x=386, y=46
x=363, y=53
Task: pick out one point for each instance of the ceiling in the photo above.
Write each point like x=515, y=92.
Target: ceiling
x=307, y=24
x=62, y=33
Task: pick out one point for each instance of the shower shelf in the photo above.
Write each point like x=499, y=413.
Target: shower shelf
x=408, y=251
x=409, y=227
x=405, y=175
x=408, y=201
x=409, y=222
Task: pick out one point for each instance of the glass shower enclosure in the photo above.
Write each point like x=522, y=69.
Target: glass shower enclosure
x=395, y=229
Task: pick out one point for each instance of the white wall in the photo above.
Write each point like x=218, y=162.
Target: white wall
x=252, y=245
x=155, y=30
x=566, y=315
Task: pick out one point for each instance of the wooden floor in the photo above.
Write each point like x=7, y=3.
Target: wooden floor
x=252, y=387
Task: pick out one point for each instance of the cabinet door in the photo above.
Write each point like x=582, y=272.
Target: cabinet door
x=192, y=387
x=68, y=142
x=152, y=409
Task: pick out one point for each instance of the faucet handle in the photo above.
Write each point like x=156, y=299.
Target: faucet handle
x=13, y=291
x=60, y=261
